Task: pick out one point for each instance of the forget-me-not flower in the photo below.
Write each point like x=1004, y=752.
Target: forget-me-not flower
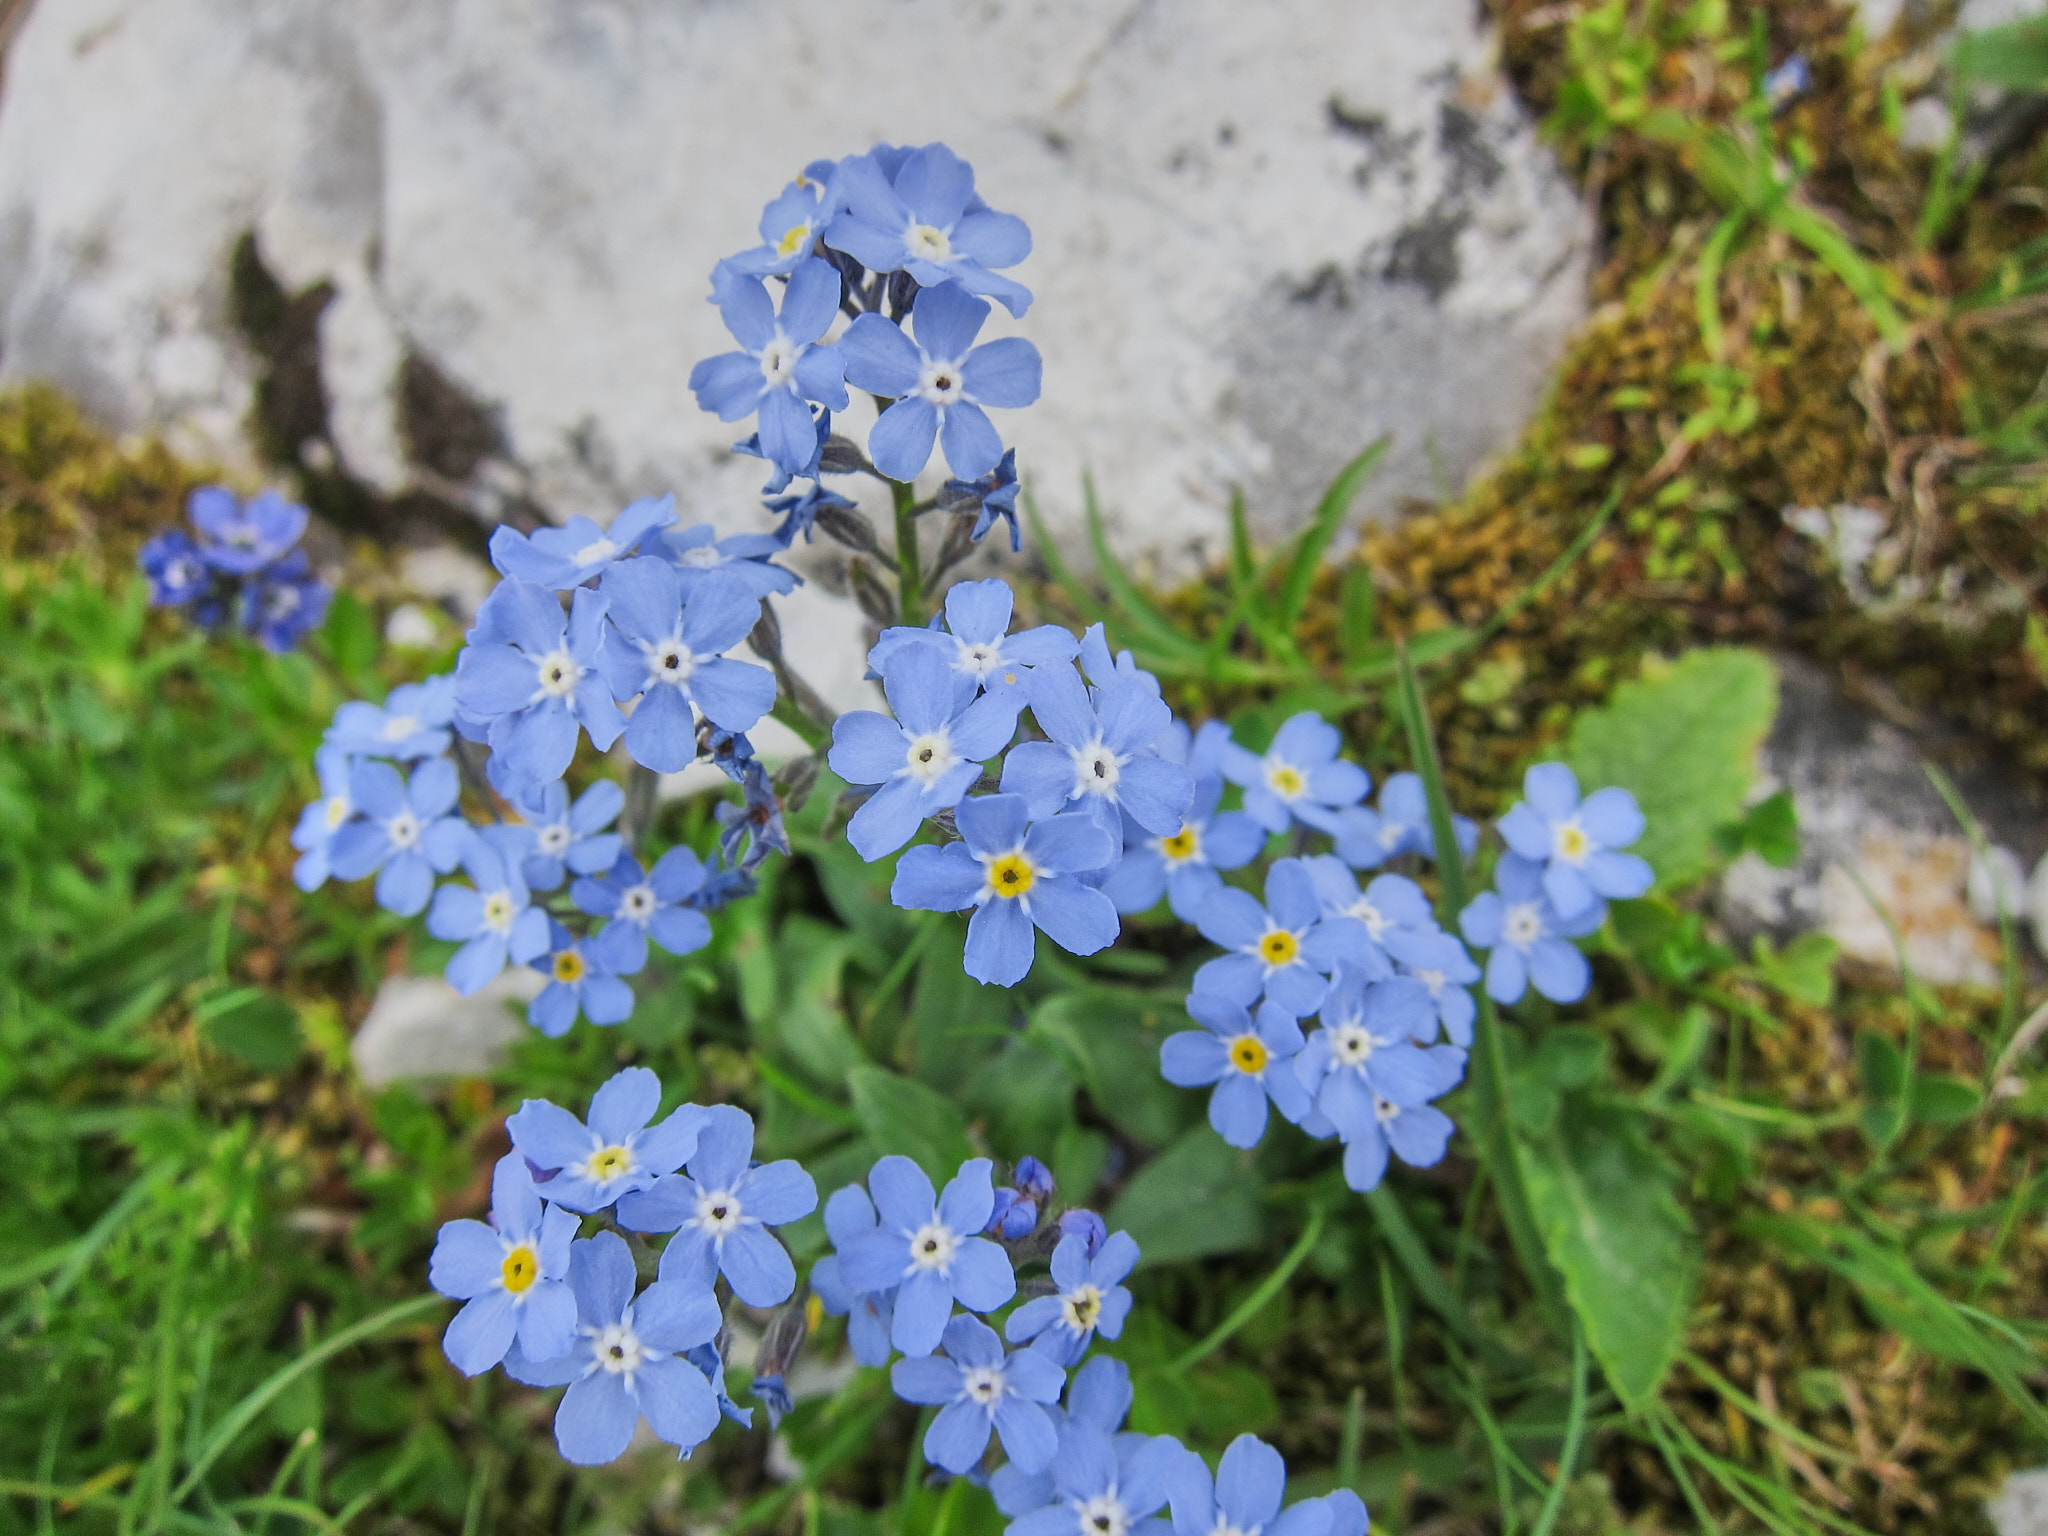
x=697, y=551
x=868, y=1314
x=980, y=1390
x=1184, y=865
x=939, y=382
x=323, y=818
x=1243, y=1497
x=1529, y=937
x=413, y=721
x=1299, y=777
x=629, y=1360
x=1416, y=1133
x=403, y=831
x=976, y=641
x=1016, y=878
x=511, y=1275
x=1446, y=970
x=1091, y=1298
x=579, y=550
x=239, y=538
x=756, y=820
x=928, y=1248
x=1100, y=757
x=1282, y=950
x=1366, y=1052
x=176, y=572
x=1099, y=1395
x=283, y=602
x=541, y=679
x=790, y=225
x=570, y=838
x=671, y=654
x=643, y=905
x=720, y=1209
x=1577, y=842
x=916, y=211
x=1249, y=1060
x=1104, y=1485
x=1367, y=838
x=495, y=921
x=617, y=1153
x=926, y=757
x=800, y=510
x=1388, y=905
x=991, y=498
x=581, y=979
x=782, y=361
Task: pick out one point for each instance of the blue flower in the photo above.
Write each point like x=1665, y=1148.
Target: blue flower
x=319, y=821
x=1100, y=757
x=579, y=550
x=1104, y=1485
x=925, y=758
x=1367, y=839
x=177, y=574
x=645, y=906
x=1576, y=842
x=412, y=722
x=617, y=1153
x=1389, y=904
x=1184, y=866
x=728, y=751
x=512, y=1275
x=1091, y=1228
x=1248, y=1061
x=780, y=363
x=240, y=538
x=697, y=551
x=1445, y=968
x=711, y=1363
x=976, y=640
x=978, y=1390
x=868, y=1314
x=1014, y=879
x=1098, y=1396
x=539, y=679
x=1418, y=1133
x=926, y=1247
x=580, y=979
x=756, y=820
x=799, y=511
x=1366, y=1053
x=1091, y=1299
x=1244, y=1495
x=790, y=225
x=570, y=836
x=990, y=497
x=938, y=384
x=403, y=832
x=1791, y=79
x=920, y=215
x=496, y=921
x=284, y=602
x=778, y=476
x=1300, y=776
x=720, y=1210
x=1528, y=936
x=630, y=1361
x=1033, y=1180
x=722, y=884
x=1013, y=1217
x=772, y=1393
x=1281, y=950
x=671, y=655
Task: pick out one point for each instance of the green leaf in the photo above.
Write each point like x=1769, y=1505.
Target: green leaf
x=1608, y=1206
x=1943, y=1100
x=1148, y=623
x=1683, y=740
x=256, y=1027
x=1358, y=608
x=350, y=636
x=808, y=1018
x=1196, y=1198
x=1769, y=829
x=1322, y=529
x=1803, y=970
x=903, y=1116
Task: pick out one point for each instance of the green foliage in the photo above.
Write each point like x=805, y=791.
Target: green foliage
x=902, y=1115
x=1195, y=1199
x=1682, y=739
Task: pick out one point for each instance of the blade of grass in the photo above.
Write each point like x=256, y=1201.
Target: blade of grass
x=1317, y=537
x=1255, y=1303
x=1086, y=604
x=1413, y=1256
x=1581, y=542
x=1574, y=1430
x=1145, y=619
x=1707, y=288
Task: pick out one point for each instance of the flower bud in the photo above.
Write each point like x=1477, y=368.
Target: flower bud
x=1089, y=1226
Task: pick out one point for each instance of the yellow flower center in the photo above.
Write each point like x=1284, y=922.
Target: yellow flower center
x=608, y=1163
x=1572, y=842
x=1248, y=1054
x=1083, y=1307
x=1182, y=846
x=569, y=966
x=337, y=811
x=792, y=239
x=1279, y=947
x=1011, y=874
x=521, y=1269
x=1285, y=780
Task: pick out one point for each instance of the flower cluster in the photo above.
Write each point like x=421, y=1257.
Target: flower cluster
x=245, y=567
x=560, y=1310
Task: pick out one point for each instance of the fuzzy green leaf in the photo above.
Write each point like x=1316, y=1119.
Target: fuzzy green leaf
x=904, y=1116
x=1196, y=1198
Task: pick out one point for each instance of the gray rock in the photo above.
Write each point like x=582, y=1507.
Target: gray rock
x=2021, y=1508
x=420, y=1028
x=1265, y=234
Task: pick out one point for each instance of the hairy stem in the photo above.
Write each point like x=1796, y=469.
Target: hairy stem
x=909, y=570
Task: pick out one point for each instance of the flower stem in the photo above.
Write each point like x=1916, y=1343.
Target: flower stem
x=1253, y=1304
x=909, y=570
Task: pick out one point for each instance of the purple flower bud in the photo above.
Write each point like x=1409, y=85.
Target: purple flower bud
x=1091, y=1227
x=1012, y=1216
x=1033, y=1179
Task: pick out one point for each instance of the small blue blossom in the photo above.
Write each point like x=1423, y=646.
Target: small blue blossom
x=578, y=551
x=722, y=884
x=1388, y=905
x=925, y=758
x=1528, y=936
x=1184, y=867
x=697, y=551
x=772, y=1393
x=980, y=1391
x=631, y=1360
x=1366, y=1055
x=1249, y=1061
x=495, y=921
x=1091, y=1299
x=919, y=214
x=1013, y=1218
x=780, y=364
x=177, y=574
x=512, y=1275
x=240, y=538
x=1367, y=838
x=779, y=477
x=1576, y=841
x=1244, y=1495
x=939, y=383
x=618, y=1152
x=319, y=821
x=1103, y=1485
x=991, y=498
x=580, y=980
x=1445, y=968
x=720, y=1209
x=927, y=1249
x=1789, y=81
x=412, y=722
x=800, y=510
x=402, y=832
x=1016, y=878
x=1281, y=950
x=1099, y=1395
x=283, y=603
x=868, y=1314
x=643, y=906
x=755, y=820
x=976, y=641
x=791, y=224
x=1100, y=755
x=670, y=654
x=570, y=839
x=1300, y=777
x=539, y=679
x=727, y=751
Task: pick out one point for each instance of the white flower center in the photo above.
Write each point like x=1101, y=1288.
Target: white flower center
x=984, y=1384
x=1391, y=832
x=403, y=829
x=978, y=660
x=670, y=661
x=1081, y=1308
x=1351, y=1045
x=338, y=809
x=929, y=756
x=179, y=572
x=1570, y=842
x=1374, y=919
x=1102, y=1515
x=637, y=903
x=927, y=242
x=1434, y=980
x=1523, y=925
x=701, y=557
x=617, y=1349
x=1096, y=770
x=1223, y=1527
x=1285, y=780
x=778, y=361
x=718, y=1212
x=940, y=382
x=932, y=1246
x=595, y=552
x=398, y=727
x=1384, y=1112
x=553, y=839
x=558, y=674
x=499, y=910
